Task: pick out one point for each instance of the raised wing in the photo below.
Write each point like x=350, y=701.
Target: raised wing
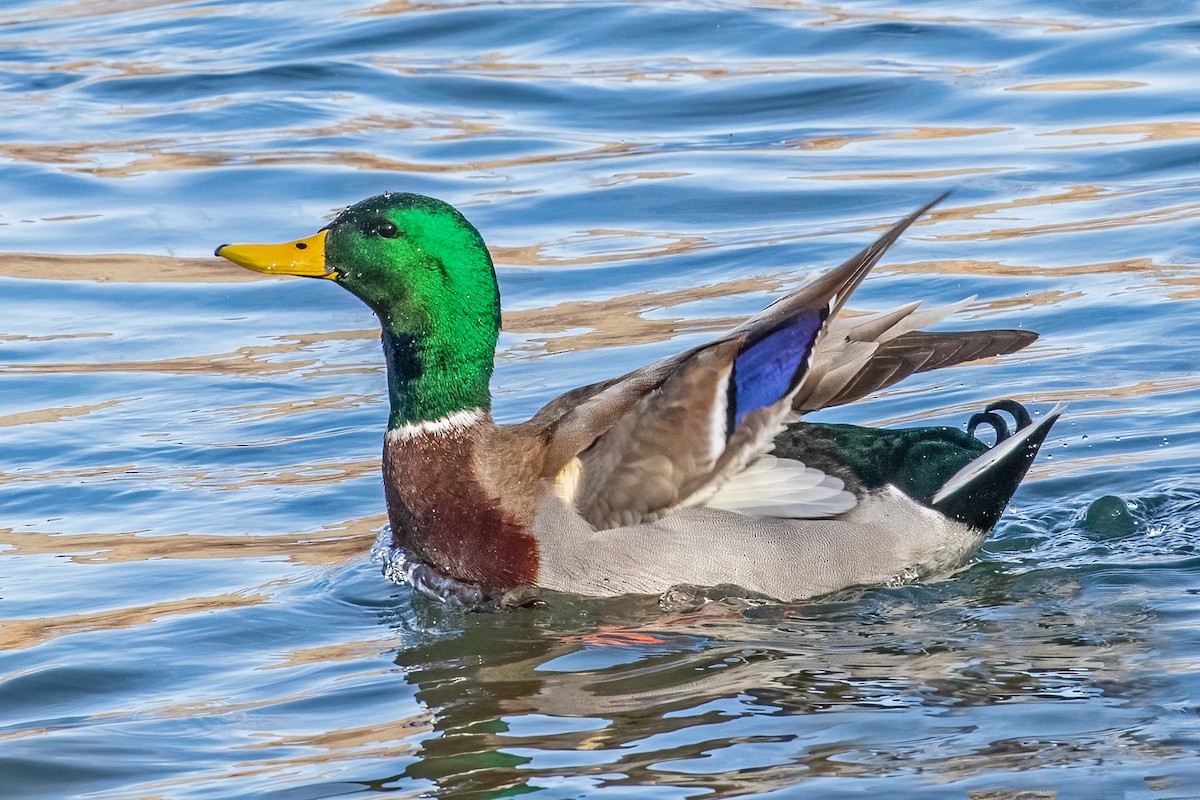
x=862, y=354
x=672, y=433
x=922, y=351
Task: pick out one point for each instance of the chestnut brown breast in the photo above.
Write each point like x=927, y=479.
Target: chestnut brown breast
x=443, y=515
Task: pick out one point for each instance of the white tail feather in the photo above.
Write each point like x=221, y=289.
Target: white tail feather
x=781, y=487
x=981, y=465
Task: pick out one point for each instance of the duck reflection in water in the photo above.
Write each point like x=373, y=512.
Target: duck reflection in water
x=726, y=696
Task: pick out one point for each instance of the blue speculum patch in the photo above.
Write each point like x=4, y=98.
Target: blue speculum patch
x=767, y=369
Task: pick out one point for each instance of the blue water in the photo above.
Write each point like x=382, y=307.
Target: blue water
x=189, y=484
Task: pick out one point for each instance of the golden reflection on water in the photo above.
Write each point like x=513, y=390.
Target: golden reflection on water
x=259, y=412
x=1152, y=216
x=1080, y=193
x=43, y=415
x=84, y=9
x=660, y=69
x=910, y=175
x=620, y=320
x=247, y=360
x=108, y=69
x=571, y=325
x=106, y=473
x=378, y=743
x=18, y=634
x=319, y=474
x=840, y=141
x=343, y=739
x=844, y=16
x=821, y=15
x=564, y=326
x=1139, y=389
x=52, y=337
x=1146, y=131
x=1050, y=297
x=604, y=245
x=250, y=360
x=124, y=267
x=600, y=246
x=328, y=545
x=348, y=652
x=1130, y=266
x=156, y=155
x=1077, y=86
x=626, y=178
x=609, y=322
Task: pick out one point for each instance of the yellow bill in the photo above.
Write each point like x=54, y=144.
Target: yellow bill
x=301, y=257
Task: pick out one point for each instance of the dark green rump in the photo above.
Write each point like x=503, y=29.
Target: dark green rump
x=918, y=461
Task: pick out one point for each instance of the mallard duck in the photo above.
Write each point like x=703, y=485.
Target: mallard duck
x=694, y=469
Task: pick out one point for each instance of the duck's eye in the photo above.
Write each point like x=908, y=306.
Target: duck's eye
x=385, y=229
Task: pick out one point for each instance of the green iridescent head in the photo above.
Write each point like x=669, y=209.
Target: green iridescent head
x=426, y=273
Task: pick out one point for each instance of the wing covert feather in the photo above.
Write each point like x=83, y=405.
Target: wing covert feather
x=673, y=432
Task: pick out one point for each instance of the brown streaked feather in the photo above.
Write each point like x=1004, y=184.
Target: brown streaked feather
x=922, y=351
x=861, y=354
x=673, y=432
x=652, y=458
x=576, y=417
x=573, y=422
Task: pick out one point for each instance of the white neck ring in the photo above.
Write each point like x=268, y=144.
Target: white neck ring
x=448, y=425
